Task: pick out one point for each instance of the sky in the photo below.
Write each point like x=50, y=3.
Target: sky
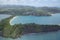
x=37, y=3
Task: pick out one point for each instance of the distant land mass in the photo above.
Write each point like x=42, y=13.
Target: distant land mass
x=28, y=10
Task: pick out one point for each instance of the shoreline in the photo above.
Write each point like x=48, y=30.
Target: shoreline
x=12, y=20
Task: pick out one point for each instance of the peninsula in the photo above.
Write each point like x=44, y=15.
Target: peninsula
x=17, y=30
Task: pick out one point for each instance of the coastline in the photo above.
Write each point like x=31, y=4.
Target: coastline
x=12, y=20
x=14, y=31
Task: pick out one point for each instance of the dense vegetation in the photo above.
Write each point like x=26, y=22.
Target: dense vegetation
x=15, y=31
x=27, y=10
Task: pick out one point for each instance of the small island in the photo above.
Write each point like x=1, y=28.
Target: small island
x=17, y=30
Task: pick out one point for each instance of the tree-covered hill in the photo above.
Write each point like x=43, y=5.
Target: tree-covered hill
x=29, y=10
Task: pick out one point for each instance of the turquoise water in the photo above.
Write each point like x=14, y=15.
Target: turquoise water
x=54, y=19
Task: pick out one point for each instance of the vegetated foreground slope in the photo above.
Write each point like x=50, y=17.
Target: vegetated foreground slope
x=17, y=30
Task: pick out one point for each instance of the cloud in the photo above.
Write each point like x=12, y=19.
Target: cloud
x=31, y=2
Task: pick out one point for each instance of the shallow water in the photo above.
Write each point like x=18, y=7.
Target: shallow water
x=54, y=19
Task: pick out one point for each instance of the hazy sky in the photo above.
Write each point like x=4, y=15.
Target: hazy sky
x=31, y=2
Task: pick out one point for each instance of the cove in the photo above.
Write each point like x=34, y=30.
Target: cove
x=46, y=20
